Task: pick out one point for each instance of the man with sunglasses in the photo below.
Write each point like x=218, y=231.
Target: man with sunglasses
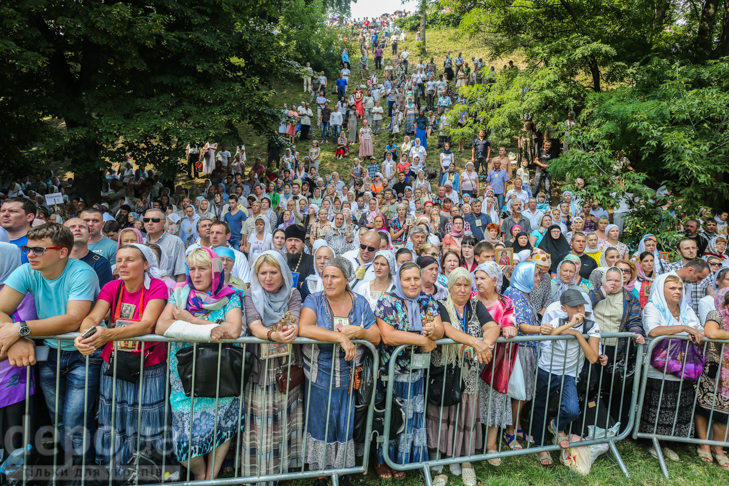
x=362, y=258
x=154, y=223
x=64, y=290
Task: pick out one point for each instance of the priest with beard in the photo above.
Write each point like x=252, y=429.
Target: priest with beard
x=300, y=263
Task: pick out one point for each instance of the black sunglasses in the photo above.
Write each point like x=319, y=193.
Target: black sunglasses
x=368, y=248
x=154, y=220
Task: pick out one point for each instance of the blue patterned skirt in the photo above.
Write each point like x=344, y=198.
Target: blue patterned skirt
x=411, y=445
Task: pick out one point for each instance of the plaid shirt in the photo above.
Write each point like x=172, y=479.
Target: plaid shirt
x=695, y=292
x=372, y=169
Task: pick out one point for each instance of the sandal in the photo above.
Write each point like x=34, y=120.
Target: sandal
x=546, y=461
x=441, y=480
x=512, y=443
x=705, y=456
x=558, y=439
x=494, y=462
x=722, y=460
x=383, y=471
x=468, y=475
x=520, y=434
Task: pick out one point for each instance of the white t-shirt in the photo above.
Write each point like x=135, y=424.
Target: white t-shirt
x=419, y=151
x=224, y=156
x=447, y=159
x=404, y=54
x=571, y=365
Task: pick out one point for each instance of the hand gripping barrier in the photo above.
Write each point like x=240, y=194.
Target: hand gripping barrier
x=86, y=471
x=706, y=399
x=609, y=387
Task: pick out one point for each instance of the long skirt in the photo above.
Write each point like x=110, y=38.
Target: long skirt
x=127, y=418
x=329, y=434
x=410, y=445
x=227, y=413
x=711, y=403
x=495, y=407
x=353, y=131
x=671, y=407
x=423, y=137
x=409, y=127
x=273, y=430
x=462, y=423
x=528, y=357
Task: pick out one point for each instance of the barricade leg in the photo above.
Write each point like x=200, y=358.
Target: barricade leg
x=661, y=459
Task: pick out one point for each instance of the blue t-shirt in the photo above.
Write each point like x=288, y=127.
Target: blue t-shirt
x=106, y=248
x=235, y=221
x=23, y=240
x=77, y=282
x=101, y=266
x=341, y=83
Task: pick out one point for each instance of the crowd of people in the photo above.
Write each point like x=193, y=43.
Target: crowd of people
x=391, y=253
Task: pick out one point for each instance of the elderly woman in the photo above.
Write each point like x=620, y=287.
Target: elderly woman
x=612, y=232
x=322, y=253
x=399, y=226
x=495, y=407
x=456, y=430
x=202, y=309
x=273, y=417
x=139, y=287
x=430, y=267
x=336, y=315
x=227, y=256
x=555, y=244
x=615, y=309
x=319, y=228
x=568, y=276
x=668, y=403
x=400, y=320
x=340, y=236
x=523, y=279
x=713, y=397
x=385, y=268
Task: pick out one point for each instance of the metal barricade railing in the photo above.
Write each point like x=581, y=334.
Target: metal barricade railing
x=86, y=471
x=619, y=376
x=680, y=365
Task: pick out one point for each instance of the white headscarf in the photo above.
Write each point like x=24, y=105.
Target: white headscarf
x=153, y=271
x=493, y=270
x=687, y=316
x=316, y=277
x=272, y=307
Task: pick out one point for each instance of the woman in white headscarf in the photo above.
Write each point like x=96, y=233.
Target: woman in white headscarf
x=340, y=236
x=135, y=303
x=260, y=240
x=612, y=232
x=274, y=419
x=385, y=269
x=668, y=403
x=322, y=253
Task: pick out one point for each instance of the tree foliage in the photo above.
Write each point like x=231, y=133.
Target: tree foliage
x=139, y=77
x=636, y=80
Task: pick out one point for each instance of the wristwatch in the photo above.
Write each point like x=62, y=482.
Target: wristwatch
x=24, y=330
x=219, y=321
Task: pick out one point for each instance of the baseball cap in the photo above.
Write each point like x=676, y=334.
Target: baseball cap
x=572, y=298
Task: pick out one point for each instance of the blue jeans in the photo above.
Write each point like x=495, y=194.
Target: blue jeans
x=73, y=417
x=324, y=130
x=335, y=131
x=547, y=179
x=500, y=199
x=569, y=409
x=341, y=93
x=389, y=108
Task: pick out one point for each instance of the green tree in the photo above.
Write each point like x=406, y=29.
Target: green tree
x=139, y=77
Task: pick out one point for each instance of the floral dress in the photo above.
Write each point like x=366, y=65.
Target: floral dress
x=365, y=147
x=524, y=314
x=205, y=411
x=396, y=226
x=409, y=386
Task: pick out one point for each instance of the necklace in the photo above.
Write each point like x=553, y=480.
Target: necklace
x=344, y=302
x=374, y=288
x=299, y=263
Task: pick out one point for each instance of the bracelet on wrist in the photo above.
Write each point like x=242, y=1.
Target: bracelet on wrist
x=268, y=336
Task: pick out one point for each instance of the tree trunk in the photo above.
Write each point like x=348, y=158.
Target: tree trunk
x=705, y=33
x=595, y=71
x=659, y=14
x=723, y=48
x=423, y=21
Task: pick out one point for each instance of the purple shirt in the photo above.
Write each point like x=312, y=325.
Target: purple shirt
x=13, y=378
x=378, y=52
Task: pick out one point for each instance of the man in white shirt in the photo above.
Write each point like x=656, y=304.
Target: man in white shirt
x=404, y=55
x=224, y=155
x=362, y=258
x=532, y=213
x=520, y=193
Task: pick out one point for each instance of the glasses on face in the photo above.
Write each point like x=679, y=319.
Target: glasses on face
x=153, y=220
x=38, y=250
x=368, y=248
x=715, y=264
x=626, y=271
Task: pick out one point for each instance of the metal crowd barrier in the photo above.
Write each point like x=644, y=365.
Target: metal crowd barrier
x=605, y=393
x=101, y=475
x=690, y=438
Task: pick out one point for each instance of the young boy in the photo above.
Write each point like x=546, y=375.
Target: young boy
x=560, y=363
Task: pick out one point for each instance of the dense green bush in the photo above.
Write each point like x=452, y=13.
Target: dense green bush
x=435, y=20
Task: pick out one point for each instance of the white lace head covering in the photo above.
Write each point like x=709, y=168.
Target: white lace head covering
x=153, y=271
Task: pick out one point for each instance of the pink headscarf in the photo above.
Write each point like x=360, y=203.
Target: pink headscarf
x=140, y=238
x=199, y=302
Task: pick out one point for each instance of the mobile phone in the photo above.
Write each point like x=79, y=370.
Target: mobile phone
x=89, y=332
